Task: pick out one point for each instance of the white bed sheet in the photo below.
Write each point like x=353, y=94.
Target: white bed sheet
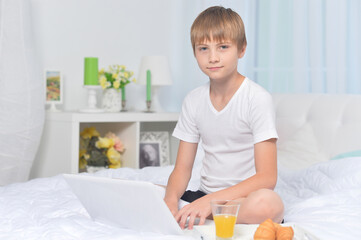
x=323, y=199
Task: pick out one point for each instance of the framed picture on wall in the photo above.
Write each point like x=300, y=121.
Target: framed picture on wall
x=54, y=87
x=154, y=149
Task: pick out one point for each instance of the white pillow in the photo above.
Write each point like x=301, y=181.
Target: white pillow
x=300, y=149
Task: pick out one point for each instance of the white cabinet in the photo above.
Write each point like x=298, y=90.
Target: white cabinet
x=59, y=147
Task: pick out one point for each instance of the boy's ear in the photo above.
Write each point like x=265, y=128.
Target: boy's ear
x=242, y=52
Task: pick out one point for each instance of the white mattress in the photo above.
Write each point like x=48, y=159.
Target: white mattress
x=324, y=199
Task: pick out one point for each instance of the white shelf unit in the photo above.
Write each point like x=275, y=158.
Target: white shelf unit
x=59, y=147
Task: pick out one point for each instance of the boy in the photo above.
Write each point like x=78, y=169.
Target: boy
x=234, y=118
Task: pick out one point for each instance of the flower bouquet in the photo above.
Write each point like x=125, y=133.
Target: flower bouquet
x=99, y=151
x=111, y=80
x=115, y=77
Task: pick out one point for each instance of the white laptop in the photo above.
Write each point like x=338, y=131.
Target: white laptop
x=135, y=205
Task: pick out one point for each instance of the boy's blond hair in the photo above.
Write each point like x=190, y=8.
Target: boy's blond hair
x=219, y=24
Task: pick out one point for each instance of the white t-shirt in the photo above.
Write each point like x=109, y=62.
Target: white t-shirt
x=228, y=136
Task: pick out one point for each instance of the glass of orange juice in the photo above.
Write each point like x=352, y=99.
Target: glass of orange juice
x=225, y=215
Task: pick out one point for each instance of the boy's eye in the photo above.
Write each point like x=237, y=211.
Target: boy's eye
x=224, y=46
x=202, y=48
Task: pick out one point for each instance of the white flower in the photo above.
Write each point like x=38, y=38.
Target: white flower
x=116, y=84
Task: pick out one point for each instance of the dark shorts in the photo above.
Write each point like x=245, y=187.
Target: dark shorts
x=190, y=196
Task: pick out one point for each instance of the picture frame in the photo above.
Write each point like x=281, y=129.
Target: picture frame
x=53, y=86
x=154, y=149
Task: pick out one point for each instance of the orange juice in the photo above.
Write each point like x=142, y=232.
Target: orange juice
x=224, y=225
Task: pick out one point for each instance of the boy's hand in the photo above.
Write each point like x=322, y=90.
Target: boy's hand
x=200, y=208
x=173, y=206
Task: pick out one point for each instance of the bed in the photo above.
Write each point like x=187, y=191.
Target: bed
x=319, y=180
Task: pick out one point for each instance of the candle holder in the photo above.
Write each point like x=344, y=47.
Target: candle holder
x=149, y=106
x=154, y=72
x=124, y=102
x=91, y=84
x=92, y=100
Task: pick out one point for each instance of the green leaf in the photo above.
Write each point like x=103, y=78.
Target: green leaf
x=97, y=158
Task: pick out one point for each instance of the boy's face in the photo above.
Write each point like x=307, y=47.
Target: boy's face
x=218, y=59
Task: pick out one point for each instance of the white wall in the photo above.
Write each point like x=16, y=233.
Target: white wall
x=117, y=32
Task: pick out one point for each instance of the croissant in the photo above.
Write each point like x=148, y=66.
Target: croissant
x=265, y=231
x=268, y=230
x=277, y=226
x=284, y=233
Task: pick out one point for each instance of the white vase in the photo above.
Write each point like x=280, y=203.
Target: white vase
x=94, y=169
x=112, y=100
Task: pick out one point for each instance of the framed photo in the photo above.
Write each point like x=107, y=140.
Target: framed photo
x=54, y=86
x=154, y=149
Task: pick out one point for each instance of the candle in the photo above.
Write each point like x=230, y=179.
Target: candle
x=91, y=71
x=123, y=93
x=149, y=86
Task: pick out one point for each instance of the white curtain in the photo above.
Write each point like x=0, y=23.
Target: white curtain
x=21, y=93
x=309, y=46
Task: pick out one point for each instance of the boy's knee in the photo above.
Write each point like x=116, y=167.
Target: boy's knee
x=267, y=203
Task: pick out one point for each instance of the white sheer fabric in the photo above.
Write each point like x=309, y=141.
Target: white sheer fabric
x=311, y=46
x=21, y=93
